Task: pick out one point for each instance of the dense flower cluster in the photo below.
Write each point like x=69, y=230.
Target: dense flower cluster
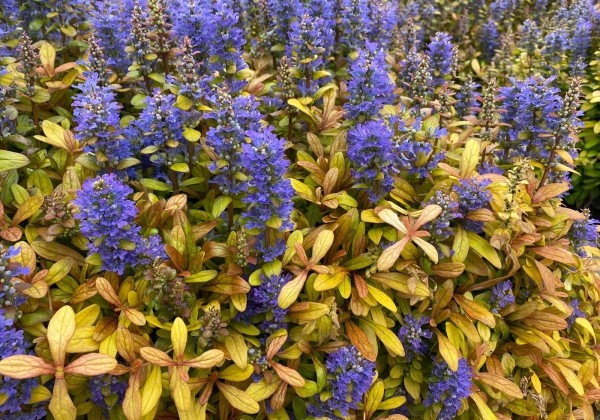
x=234, y=116
x=447, y=389
x=439, y=228
x=269, y=194
x=577, y=313
x=351, y=376
x=305, y=208
x=370, y=148
x=9, y=271
x=262, y=301
x=443, y=57
x=96, y=114
x=414, y=337
x=107, y=391
x=370, y=86
x=501, y=296
x=584, y=233
x=106, y=218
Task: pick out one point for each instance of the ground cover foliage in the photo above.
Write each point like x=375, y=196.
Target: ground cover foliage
x=299, y=209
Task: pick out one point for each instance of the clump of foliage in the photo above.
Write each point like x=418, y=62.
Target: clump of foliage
x=298, y=209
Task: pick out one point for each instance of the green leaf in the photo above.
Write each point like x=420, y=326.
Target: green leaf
x=11, y=160
x=387, y=337
x=484, y=249
x=155, y=185
x=220, y=205
x=180, y=167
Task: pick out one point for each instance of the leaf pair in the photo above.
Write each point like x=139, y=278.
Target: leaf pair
x=60, y=331
x=408, y=227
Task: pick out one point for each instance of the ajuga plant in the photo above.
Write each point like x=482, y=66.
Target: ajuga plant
x=310, y=209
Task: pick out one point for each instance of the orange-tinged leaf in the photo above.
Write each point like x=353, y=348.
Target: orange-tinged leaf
x=390, y=255
x=476, y=310
x=55, y=252
x=60, y=330
x=390, y=217
x=27, y=209
x=61, y=406
x=288, y=375
x=555, y=253
x=308, y=311
x=275, y=342
x=359, y=339
x=107, y=291
x=447, y=351
x=545, y=321
x=238, y=398
x=429, y=213
x=549, y=191
x=25, y=366
x=92, y=364
x=179, y=336
x=132, y=401
x=207, y=360
x=500, y=383
x=156, y=356
x=448, y=270
x=135, y=316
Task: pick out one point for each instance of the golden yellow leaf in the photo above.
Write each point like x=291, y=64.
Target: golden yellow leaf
x=151, y=390
x=237, y=349
x=61, y=406
x=207, y=360
x=238, y=398
x=179, y=336
x=60, y=330
x=447, y=351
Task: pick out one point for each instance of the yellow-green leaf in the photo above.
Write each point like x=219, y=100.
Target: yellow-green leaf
x=27, y=209
x=261, y=390
x=151, y=390
x=484, y=249
x=469, y=158
x=11, y=160
x=448, y=351
x=484, y=409
x=236, y=346
x=238, y=398
x=388, y=338
x=179, y=336
x=61, y=406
